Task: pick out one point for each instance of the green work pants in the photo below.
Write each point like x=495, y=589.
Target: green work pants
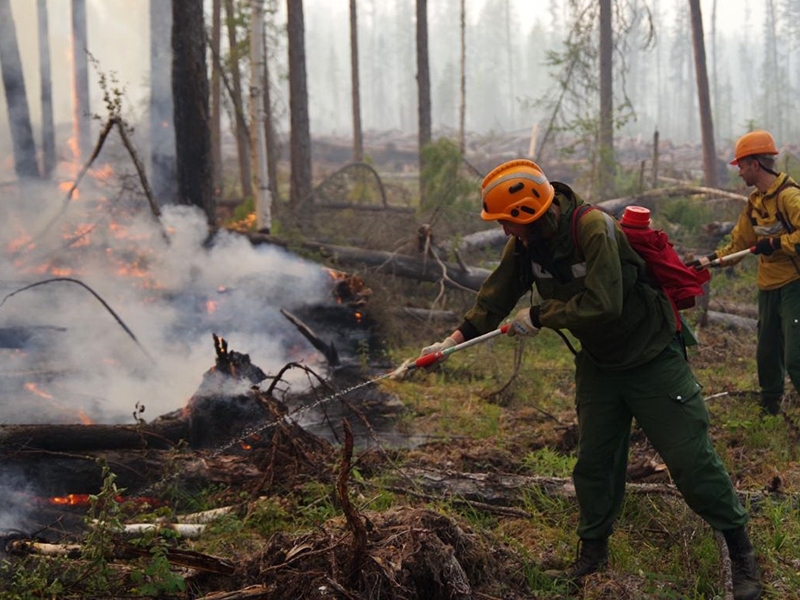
x=665, y=399
x=778, y=351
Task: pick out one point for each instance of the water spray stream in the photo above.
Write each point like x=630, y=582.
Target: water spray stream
x=422, y=361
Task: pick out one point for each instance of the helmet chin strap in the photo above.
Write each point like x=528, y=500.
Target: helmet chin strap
x=766, y=168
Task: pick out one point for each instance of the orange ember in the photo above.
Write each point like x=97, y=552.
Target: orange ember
x=70, y=500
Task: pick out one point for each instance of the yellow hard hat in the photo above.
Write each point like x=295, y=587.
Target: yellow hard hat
x=516, y=191
x=754, y=142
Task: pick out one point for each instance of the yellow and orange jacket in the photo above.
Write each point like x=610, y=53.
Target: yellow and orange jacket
x=775, y=213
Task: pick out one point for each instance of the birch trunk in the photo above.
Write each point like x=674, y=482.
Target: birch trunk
x=258, y=117
x=242, y=134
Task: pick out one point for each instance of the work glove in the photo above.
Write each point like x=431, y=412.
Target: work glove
x=522, y=324
x=702, y=262
x=446, y=343
x=767, y=246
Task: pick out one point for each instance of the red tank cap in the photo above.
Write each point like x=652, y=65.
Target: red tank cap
x=636, y=216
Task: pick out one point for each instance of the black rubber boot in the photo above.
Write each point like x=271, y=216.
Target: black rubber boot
x=744, y=567
x=770, y=405
x=592, y=556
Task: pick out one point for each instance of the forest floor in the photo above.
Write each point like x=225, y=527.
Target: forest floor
x=472, y=499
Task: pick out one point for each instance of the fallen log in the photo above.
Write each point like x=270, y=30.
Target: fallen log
x=78, y=437
x=731, y=321
x=507, y=490
x=392, y=263
x=254, y=592
x=123, y=551
x=615, y=206
x=749, y=311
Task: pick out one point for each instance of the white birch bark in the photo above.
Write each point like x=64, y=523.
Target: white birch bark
x=258, y=117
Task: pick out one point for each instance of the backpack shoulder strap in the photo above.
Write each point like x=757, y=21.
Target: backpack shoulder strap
x=790, y=228
x=576, y=216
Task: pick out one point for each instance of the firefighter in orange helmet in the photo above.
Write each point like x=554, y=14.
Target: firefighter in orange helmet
x=769, y=225
x=631, y=362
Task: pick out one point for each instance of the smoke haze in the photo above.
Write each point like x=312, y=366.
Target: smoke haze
x=66, y=357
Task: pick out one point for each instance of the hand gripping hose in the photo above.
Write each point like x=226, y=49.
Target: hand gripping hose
x=722, y=259
x=434, y=357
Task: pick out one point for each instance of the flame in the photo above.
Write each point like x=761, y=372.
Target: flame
x=80, y=238
x=358, y=315
x=85, y=499
x=17, y=244
x=103, y=172
x=34, y=389
x=65, y=185
x=335, y=275
x=61, y=272
x=70, y=500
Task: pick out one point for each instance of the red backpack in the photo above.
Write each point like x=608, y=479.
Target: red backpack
x=680, y=283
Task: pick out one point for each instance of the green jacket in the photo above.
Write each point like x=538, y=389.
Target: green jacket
x=601, y=299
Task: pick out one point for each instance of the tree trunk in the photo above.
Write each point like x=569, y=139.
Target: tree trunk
x=423, y=89
x=509, y=59
x=190, y=91
x=242, y=133
x=462, y=105
x=358, y=141
x=703, y=97
x=216, y=101
x=301, y=182
x=162, y=122
x=773, y=102
x=258, y=118
x=80, y=84
x=714, y=78
x=16, y=98
x=269, y=131
x=606, y=147
x=46, y=93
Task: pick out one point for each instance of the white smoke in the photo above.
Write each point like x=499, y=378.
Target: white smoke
x=171, y=291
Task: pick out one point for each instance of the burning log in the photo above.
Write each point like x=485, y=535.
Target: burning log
x=160, y=435
x=328, y=350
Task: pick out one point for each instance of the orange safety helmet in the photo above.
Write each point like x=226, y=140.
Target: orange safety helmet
x=516, y=191
x=753, y=142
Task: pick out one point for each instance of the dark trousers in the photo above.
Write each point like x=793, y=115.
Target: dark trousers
x=778, y=351
x=666, y=401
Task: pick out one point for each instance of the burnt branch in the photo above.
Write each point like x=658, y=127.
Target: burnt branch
x=97, y=297
x=328, y=350
x=354, y=521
